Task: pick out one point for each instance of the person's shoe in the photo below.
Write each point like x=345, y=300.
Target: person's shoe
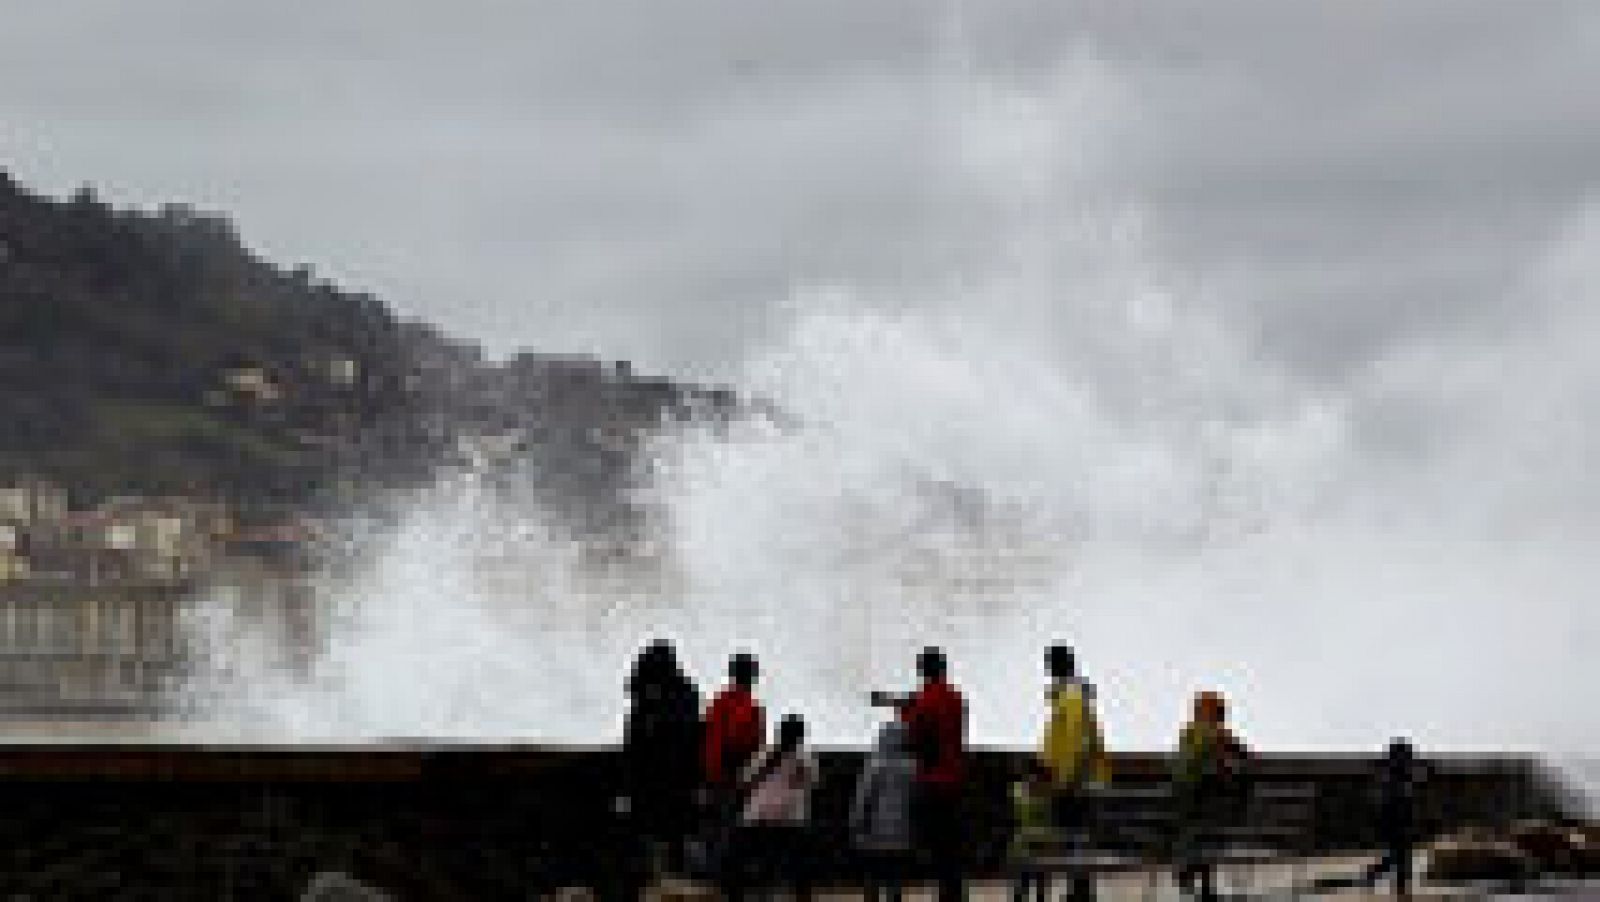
x=1185, y=881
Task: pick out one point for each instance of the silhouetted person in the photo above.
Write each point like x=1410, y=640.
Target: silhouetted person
x=936, y=720
x=1399, y=782
x=880, y=813
x=772, y=843
x=661, y=749
x=1074, y=753
x=1207, y=783
x=735, y=726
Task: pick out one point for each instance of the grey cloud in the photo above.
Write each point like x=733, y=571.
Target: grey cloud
x=649, y=179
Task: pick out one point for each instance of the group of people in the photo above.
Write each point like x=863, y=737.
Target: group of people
x=747, y=800
x=711, y=792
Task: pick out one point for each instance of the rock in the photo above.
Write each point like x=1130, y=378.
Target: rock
x=1552, y=847
x=1467, y=858
x=682, y=891
x=333, y=886
x=1586, y=848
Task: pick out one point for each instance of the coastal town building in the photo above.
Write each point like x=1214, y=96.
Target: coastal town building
x=69, y=650
x=93, y=602
x=13, y=562
x=253, y=382
x=30, y=500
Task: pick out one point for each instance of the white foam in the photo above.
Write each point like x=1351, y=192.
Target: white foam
x=1095, y=439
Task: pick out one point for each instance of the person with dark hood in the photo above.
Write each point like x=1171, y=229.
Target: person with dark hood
x=1074, y=753
x=1207, y=784
x=880, y=813
x=1398, y=786
x=661, y=750
x=936, y=723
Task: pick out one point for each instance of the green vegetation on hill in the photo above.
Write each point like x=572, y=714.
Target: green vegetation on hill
x=118, y=334
x=152, y=352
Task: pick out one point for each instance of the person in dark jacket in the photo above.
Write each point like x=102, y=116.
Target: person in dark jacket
x=936, y=721
x=661, y=750
x=735, y=726
x=1399, y=780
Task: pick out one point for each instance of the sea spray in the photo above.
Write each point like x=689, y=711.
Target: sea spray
x=1041, y=434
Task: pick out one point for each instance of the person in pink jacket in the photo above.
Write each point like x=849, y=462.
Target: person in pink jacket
x=772, y=843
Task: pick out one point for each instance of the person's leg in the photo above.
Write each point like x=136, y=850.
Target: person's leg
x=766, y=861
x=801, y=861
x=1088, y=816
x=925, y=831
x=928, y=822
x=897, y=873
x=1402, y=855
x=952, y=887
x=886, y=874
x=735, y=859
x=1206, y=875
x=872, y=888
x=1073, y=817
x=1021, y=883
x=1180, y=855
x=1189, y=857
x=685, y=826
x=1374, y=871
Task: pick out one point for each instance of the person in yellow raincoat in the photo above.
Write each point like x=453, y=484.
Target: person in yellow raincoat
x=1074, y=752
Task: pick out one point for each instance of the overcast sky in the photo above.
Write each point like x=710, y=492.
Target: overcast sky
x=650, y=178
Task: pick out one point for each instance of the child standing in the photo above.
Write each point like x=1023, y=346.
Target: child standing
x=1034, y=834
x=880, y=816
x=772, y=843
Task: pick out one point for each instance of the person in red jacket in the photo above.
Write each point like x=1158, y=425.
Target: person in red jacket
x=735, y=725
x=936, y=718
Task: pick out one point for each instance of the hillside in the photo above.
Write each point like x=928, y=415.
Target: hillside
x=153, y=352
